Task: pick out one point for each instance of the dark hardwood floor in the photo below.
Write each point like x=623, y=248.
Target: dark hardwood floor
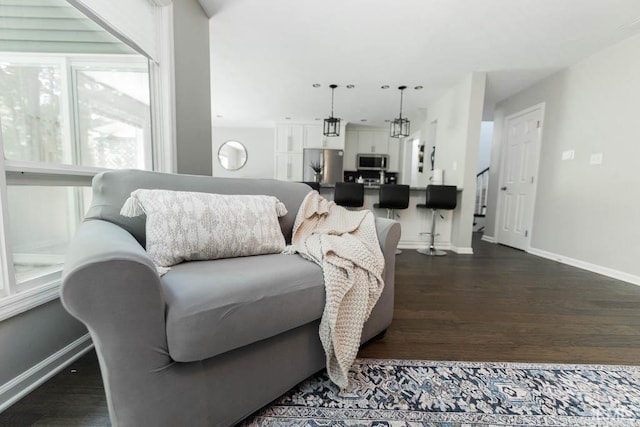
x=499, y=304
x=74, y=397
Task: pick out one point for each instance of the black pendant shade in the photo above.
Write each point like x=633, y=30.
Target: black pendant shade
x=400, y=126
x=332, y=124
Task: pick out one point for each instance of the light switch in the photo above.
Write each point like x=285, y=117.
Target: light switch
x=595, y=159
x=568, y=155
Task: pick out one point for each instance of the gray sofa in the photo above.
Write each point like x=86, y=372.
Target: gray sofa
x=210, y=342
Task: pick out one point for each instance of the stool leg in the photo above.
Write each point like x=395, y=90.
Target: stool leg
x=432, y=251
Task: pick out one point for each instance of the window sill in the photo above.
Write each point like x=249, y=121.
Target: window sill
x=20, y=302
x=35, y=173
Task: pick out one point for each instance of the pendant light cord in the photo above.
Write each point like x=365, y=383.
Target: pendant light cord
x=332, y=90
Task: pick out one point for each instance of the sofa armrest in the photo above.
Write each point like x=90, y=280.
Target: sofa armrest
x=111, y=285
x=388, y=235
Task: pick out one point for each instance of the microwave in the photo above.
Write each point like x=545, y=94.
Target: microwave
x=372, y=162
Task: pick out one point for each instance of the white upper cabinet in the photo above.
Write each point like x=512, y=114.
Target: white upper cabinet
x=292, y=139
x=393, y=151
x=289, y=138
x=350, y=150
x=313, y=138
x=373, y=142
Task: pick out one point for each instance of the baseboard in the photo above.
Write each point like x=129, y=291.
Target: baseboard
x=421, y=244
x=462, y=251
x=489, y=239
x=410, y=244
x=605, y=271
x=32, y=378
x=443, y=246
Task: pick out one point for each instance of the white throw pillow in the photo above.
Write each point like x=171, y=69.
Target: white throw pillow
x=189, y=226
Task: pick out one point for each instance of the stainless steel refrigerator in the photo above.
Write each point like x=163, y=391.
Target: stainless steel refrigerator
x=330, y=163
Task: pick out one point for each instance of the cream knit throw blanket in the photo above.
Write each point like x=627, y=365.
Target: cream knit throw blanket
x=345, y=244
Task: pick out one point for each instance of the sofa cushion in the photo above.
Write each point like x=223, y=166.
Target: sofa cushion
x=216, y=306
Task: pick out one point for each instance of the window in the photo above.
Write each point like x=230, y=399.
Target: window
x=31, y=111
x=74, y=101
x=113, y=137
x=38, y=236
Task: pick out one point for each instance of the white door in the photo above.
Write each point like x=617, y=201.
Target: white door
x=519, y=178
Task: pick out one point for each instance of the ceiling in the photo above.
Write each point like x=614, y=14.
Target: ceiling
x=266, y=55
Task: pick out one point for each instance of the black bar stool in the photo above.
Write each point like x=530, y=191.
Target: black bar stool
x=349, y=194
x=392, y=197
x=314, y=185
x=438, y=197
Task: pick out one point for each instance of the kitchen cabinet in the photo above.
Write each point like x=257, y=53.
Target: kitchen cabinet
x=368, y=142
x=313, y=138
x=373, y=142
x=289, y=138
x=288, y=147
x=393, y=150
x=350, y=150
x=292, y=139
x=289, y=166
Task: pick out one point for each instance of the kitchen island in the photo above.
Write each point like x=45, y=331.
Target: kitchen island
x=412, y=220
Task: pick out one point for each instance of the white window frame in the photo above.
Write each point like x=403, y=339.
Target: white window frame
x=43, y=60
x=17, y=297
x=79, y=62
x=162, y=96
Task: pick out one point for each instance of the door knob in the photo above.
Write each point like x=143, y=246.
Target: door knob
x=503, y=188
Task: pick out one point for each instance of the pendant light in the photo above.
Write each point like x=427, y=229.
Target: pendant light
x=400, y=126
x=332, y=124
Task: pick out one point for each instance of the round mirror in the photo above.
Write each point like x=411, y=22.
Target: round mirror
x=232, y=155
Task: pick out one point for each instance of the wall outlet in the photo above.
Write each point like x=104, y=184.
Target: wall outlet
x=568, y=155
x=595, y=159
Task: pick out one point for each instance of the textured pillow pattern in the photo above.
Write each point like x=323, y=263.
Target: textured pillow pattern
x=188, y=226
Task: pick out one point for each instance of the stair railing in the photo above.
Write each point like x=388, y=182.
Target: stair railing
x=482, y=185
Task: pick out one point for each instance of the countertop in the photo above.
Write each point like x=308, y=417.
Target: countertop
x=373, y=187
x=377, y=187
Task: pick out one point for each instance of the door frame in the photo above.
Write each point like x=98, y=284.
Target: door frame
x=536, y=167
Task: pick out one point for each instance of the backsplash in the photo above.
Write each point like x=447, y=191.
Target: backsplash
x=370, y=177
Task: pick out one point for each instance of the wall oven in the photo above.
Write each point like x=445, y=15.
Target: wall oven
x=372, y=162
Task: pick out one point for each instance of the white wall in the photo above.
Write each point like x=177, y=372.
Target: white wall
x=259, y=143
x=35, y=345
x=192, y=88
x=484, y=147
x=458, y=115
x=430, y=131
x=585, y=214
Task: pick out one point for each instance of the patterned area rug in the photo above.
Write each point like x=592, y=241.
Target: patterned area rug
x=428, y=393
